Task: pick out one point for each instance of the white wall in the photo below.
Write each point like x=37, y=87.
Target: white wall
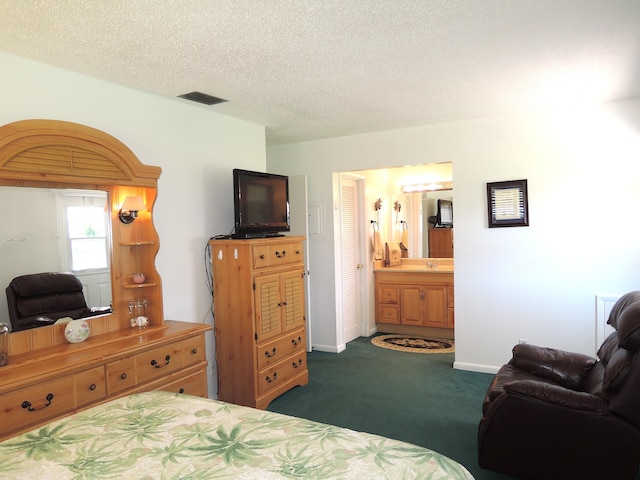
x=196, y=148
x=538, y=282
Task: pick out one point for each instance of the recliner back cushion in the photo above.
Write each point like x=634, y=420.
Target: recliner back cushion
x=625, y=318
x=33, y=305
x=45, y=283
x=629, y=327
x=616, y=362
x=617, y=370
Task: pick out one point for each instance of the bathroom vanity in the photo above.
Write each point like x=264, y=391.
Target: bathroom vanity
x=416, y=293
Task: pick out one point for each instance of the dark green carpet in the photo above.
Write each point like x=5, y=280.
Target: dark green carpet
x=412, y=397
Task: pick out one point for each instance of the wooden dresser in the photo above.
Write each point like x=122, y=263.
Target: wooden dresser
x=259, y=318
x=441, y=242
x=38, y=387
x=47, y=377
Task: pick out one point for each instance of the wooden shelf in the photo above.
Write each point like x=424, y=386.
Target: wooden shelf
x=139, y=285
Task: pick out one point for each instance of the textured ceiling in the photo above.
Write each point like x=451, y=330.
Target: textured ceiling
x=313, y=69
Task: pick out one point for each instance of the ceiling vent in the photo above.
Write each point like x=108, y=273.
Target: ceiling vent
x=202, y=98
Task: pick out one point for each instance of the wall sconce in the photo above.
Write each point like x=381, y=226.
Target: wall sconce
x=130, y=208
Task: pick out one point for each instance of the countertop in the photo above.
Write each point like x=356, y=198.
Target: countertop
x=418, y=265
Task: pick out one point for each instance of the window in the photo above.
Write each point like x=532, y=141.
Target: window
x=85, y=230
x=87, y=237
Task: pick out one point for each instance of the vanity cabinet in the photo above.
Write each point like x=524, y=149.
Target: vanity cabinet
x=259, y=318
x=423, y=305
x=67, y=378
x=423, y=299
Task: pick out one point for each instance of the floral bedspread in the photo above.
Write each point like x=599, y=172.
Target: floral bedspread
x=159, y=435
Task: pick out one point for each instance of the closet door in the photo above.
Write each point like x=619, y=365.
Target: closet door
x=351, y=265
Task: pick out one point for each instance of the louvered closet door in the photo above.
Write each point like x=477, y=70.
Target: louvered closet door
x=268, y=307
x=351, y=267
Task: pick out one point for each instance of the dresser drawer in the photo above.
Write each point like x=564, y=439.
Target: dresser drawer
x=120, y=375
x=36, y=404
x=193, y=351
x=194, y=384
x=275, y=375
x=275, y=350
x=158, y=362
x=90, y=386
x=275, y=255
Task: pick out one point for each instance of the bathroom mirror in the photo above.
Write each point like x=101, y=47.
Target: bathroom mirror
x=401, y=209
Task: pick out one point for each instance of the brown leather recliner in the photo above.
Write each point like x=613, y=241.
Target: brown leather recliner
x=40, y=299
x=551, y=414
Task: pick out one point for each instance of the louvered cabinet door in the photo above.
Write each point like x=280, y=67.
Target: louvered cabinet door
x=269, y=306
x=293, y=290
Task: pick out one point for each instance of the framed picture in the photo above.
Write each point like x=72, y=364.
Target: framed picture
x=508, y=204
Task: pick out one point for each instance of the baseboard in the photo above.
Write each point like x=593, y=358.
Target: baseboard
x=329, y=348
x=474, y=367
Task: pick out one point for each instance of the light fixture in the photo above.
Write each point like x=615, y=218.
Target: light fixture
x=130, y=208
x=427, y=187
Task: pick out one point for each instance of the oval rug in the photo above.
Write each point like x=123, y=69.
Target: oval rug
x=411, y=343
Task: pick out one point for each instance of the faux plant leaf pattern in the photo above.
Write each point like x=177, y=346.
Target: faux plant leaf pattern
x=163, y=435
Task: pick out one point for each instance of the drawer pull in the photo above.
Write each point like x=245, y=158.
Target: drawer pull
x=157, y=365
x=262, y=257
x=270, y=380
x=92, y=387
x=299, y=364
x=123, y=376
x=296, y=343
x=269, y=355
x=28, y=406
x=194, y=351
x=282, y=304
x=281, y=255
x=181, y=390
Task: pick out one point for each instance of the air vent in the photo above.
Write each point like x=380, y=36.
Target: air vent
x=202, y=98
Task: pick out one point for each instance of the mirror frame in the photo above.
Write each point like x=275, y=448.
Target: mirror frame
x=59, y=154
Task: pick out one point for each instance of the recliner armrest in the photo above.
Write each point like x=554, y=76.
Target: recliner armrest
x=564, y=368
x=558, y=395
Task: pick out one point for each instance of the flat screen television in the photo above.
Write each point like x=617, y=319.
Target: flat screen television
x=261, y=204
x=444, y=215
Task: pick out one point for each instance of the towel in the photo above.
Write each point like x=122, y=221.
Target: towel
x=377, y=246
x=405, y=236
x=393, y=254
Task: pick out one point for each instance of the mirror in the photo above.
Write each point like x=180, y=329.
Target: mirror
x=54, y=154
x=404, y=210
x=57, y=230
x=418, y=210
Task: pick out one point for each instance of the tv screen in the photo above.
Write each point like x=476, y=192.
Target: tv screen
x=444, y=217
x=261, y=204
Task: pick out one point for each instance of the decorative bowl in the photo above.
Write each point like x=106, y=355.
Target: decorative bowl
x=138, y=277
x=76, y=331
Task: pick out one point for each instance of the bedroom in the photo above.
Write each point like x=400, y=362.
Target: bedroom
x=578, y=160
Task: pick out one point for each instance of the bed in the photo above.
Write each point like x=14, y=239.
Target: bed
x=169, y=436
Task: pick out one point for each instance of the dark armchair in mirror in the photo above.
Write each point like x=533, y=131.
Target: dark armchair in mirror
x=40, y=299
